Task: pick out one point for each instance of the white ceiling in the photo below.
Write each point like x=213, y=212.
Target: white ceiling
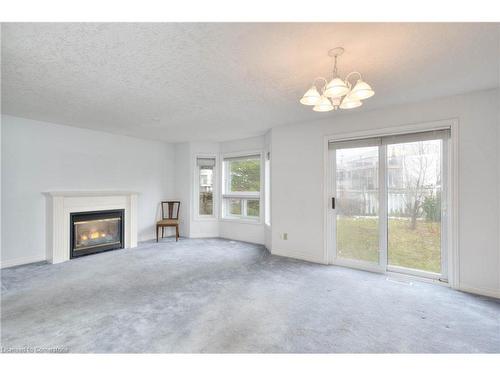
x=221, y=81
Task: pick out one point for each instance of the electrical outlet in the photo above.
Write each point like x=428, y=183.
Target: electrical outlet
x=284, y=236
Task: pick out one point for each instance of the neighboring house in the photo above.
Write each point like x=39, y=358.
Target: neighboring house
x=413, y=173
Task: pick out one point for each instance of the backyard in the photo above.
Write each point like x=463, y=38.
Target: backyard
x=417, y=248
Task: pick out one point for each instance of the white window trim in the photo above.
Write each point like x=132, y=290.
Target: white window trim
x=267, y=192
x=241, y=195
x=196, y=190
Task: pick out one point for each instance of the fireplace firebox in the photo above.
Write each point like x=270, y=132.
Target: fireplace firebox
x=95, y=232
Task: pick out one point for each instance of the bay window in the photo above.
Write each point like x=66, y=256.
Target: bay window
x=241, y=187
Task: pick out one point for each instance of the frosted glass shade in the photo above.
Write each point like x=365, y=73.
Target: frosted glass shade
x=336, y=88
x=324, y=105
x=311, y=97
x=361, y=91
x=349, y=103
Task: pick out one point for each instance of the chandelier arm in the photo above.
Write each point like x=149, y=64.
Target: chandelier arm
x=349, y=76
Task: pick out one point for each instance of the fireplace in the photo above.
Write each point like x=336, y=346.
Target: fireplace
x=95, y=232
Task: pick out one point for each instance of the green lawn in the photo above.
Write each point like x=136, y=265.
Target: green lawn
x=419, y=248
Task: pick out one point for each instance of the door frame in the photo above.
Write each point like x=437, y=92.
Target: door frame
x=451, y=246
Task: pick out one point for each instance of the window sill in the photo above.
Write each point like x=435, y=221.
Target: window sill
x=208, y=218
x=242, y=195
x=241, y=221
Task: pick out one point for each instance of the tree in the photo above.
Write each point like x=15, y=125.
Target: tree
x=432, y=207
x=245, y=175
x=419, y=162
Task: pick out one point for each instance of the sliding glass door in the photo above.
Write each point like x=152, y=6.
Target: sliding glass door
x=388, y=203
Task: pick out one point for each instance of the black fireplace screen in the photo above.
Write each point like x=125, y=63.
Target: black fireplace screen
x=94, y=232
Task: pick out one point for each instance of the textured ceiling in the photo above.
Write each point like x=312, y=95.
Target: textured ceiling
x=220, y=81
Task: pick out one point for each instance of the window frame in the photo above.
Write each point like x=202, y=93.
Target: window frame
x=196, y=190
x=267, y=189
x=243, y=196
x=381, y=143
x=451, y=206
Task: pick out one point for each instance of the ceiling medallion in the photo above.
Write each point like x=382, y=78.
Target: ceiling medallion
x=338, y=93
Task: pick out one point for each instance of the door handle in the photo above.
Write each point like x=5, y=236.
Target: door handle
x=333, y=203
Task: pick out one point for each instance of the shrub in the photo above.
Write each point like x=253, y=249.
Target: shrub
x=432, y=207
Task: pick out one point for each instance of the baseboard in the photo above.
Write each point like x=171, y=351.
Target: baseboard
x=21, y=261
x=204, y=235
x=488, y=292
x=299, y=255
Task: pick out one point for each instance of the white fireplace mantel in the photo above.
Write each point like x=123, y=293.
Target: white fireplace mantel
x=60, y=204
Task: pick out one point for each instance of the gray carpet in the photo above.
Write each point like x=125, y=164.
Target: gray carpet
x=215, y=295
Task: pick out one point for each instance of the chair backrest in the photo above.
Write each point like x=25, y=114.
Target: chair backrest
x=170, y=209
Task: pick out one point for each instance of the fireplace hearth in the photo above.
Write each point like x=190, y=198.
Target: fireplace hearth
x=95, y=232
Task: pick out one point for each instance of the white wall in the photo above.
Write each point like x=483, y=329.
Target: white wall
x=297, y=198
x=183, y=186
x=39, y=156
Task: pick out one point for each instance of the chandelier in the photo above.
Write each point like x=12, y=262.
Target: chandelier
x=338, y=93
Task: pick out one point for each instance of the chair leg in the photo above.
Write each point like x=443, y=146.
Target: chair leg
x=157, y=227
x=176, y=233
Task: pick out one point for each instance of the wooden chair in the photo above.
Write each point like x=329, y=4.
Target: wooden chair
x=169, y=218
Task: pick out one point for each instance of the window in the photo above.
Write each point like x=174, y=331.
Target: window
x=205, y=175
x=241, y=187
x=267, y=189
